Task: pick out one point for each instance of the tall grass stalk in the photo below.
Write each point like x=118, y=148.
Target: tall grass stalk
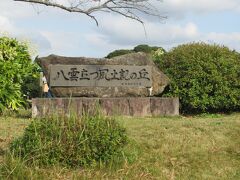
x=71, y=141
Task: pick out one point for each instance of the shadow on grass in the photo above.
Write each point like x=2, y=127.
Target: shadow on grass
x=21, y=113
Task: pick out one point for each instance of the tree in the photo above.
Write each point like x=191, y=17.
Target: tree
x=152, y=50
x=15, y=66
x=127, y=8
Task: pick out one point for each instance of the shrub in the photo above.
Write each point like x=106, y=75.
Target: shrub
x=143, y=48
x=15, y=66
x=158, y=55
x=139, y=48
x=119, y=53
x=205, y=77
x=71, y=142
x=147, y=49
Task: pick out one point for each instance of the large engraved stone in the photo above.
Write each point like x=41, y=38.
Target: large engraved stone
x=100, y=76
x=143, y=77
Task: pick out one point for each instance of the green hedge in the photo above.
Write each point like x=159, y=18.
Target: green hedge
x=205, y=77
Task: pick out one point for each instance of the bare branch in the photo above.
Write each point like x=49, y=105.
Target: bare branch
x=127, y=8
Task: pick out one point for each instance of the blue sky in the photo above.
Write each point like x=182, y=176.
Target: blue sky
x=53, y=31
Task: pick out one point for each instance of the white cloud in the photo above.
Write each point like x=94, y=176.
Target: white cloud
x=227, y=39
x=5, y=24
x=115, y=32
x=99, y=44
x=121, y=31
x=102, y=45
x=62, y=43
x=75, y=44
x=7, y=27
x=15, y=10
x=178, y=9
x=37, y=40
x=202, y=5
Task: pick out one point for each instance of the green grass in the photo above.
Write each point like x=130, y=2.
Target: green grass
x=10, y=127
x=198, y=147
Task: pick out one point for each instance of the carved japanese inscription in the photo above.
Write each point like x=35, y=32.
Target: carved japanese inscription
x=100, y=75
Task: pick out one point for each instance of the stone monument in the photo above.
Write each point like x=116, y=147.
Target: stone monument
x=124, y=85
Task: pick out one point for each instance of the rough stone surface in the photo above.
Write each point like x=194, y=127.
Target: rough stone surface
x=115, y=106
x=139, y=106
x=159, y=80
x=134, y=106
x=73, y=106
x=164, y=106
x=90, y=105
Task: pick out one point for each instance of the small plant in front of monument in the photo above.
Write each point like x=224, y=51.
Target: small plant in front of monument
x=71, y=142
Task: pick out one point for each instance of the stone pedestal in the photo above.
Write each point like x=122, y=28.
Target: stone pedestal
x=125, y=106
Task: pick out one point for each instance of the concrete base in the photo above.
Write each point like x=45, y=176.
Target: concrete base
x=126, y=106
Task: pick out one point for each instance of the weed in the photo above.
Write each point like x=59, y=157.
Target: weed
x=71, y=141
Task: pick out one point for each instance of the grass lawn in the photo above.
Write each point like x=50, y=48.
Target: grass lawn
x=199, y=147
x=10, y=127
